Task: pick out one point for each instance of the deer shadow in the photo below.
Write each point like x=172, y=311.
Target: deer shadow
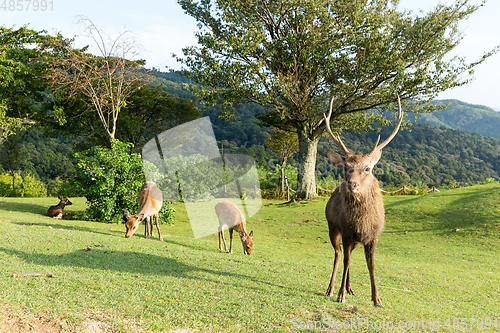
x=136, y=263
x=24, y=207
x=70, y=227
x=118, y=261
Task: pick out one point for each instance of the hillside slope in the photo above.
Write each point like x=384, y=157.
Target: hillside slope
x=469, y=117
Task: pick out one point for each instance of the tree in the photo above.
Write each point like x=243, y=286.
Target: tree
x=150, y=111
x=12, y=155
x=104, y=81
x=294, y=56
x=22, y=89
x=285, y=144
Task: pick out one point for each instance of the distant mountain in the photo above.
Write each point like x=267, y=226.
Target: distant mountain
x=469, y=117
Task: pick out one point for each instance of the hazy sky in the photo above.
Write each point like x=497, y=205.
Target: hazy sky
x=162, y=28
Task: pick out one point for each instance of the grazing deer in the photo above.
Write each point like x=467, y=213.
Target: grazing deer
x=229, y=215
x=150, y=202
x=57, y=212
x=355, y=211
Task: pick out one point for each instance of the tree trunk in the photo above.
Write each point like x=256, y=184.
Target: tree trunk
x=283, y=164
x=14, y=183
x=306, y=176
x=282, y=179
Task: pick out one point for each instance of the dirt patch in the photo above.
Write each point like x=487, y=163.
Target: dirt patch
x=18, y=322
x=96, y=326
x=24, y=321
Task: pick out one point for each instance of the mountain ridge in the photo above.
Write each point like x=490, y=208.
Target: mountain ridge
x=474, y=118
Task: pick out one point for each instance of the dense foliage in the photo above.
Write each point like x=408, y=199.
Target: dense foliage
x=108, y=179
x=22, y=90
x=27, y=185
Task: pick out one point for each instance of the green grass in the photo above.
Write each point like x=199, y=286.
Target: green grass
x=425, y=270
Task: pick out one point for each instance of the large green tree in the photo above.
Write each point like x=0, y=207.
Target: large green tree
x=294, y=56
x=22, y=88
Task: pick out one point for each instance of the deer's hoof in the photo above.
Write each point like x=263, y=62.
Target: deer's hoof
x=379, y=306
x=340, y=300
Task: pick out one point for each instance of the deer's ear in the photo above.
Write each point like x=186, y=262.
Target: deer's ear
x=60, y=197
x=140, y=217
x=335, y=158
x=126, y=214
x=375, y=157
x=251, y=234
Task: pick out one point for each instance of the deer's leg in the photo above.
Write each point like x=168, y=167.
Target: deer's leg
x=348, y=247
x=157, y=228
x=335, y=240
x=370, y=262
x=348, y=285
x=221, y=238
x=230, y=240
x=146, y=227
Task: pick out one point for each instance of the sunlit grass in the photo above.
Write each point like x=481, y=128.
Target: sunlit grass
x=437, y=259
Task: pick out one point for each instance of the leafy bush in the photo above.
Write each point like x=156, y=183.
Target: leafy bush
x=271, y=179
x=32, y=187
x=27, y=185
x=109, y=179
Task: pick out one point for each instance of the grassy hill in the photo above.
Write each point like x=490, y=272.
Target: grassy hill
x=437, y=260
x=469, y=117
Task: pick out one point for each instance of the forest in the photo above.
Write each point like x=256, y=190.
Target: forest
x=419, y=154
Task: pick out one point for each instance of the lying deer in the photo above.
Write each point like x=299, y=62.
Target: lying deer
x=229, y=215
x=355, y=211
x=150, y=202
x=57, y=212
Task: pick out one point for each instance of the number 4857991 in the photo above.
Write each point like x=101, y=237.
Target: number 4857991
x=27, y=5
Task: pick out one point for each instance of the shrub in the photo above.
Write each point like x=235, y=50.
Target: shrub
x=27, y=185
x=109, y=179
x=32, y=187
x=270, y=180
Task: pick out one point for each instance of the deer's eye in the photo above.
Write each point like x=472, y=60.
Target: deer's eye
x=367, y=169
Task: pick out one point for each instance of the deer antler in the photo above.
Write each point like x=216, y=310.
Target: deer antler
x=396, y=129
x=335, y=138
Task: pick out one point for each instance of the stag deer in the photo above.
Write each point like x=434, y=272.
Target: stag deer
x=229, y=215
x=150, y=202
x=57, y=212
x=355, y=211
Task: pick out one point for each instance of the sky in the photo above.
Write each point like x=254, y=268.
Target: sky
x=162, y=28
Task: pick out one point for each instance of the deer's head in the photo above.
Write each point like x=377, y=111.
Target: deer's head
x=247, y=241
x=358, y=168
x=64, y=201
x=131, y=222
